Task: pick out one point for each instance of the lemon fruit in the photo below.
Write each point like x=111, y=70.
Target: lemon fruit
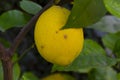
x=58, y=76
x=55, y=45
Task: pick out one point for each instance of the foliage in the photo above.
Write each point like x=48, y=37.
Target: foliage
x=85, y=12
x=19, y=19
x=30, y=7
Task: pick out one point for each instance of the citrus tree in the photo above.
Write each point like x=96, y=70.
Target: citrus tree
x=60, y=40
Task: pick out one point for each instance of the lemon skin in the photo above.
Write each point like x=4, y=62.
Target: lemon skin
x=57, y=46
x=58, y=76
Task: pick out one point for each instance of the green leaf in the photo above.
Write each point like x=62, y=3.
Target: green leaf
x=15, y=57
x=29, y=76
x=102, y=73
x=1, y=71
x=16, y=71
x=30, y=6
x=85, y=12
x=109, y=40
x=118, y=76
x=92, y=56
x=16, y=67
x=109, y=24
x=5, y=42
x=116, y=49
x=113, y=6
x=13, y=18
x=24, y=78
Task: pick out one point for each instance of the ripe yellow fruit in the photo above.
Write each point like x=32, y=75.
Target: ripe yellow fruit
x=58, y=76
x=57, y=46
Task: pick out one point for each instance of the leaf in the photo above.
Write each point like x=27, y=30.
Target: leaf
x=109, y=24
x=1, y=71
x=30, y=6
x=85, y=13
x=24, y=78
x=109, y=40
x=91, y=57
x=118, y=76
x=116, y=49
x=102, y=73
x=16, y=71
x=5, y=42
x=15, y=58
x=113, y=6
x=29, y=76
x=13, y=18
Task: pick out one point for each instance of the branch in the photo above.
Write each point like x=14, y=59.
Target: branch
x=24, y=53
x=7, y=69
x=6, y=63
x=27, y=28
x=2, y=51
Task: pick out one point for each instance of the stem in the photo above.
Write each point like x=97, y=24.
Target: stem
x=24, y=53
x=27, y=28
x=7, y=69
x=2, y=51
x=6, y=63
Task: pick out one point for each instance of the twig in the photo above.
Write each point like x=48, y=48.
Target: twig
x=7, y=69
x=27, y=28
x=3, y=53
x=6, y=63
x=2, y=50
x=24, y=53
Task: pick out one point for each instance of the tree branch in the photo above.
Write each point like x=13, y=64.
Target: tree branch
x=6, y=63
x=1, y=50
x=7, y=69
x=27, y=28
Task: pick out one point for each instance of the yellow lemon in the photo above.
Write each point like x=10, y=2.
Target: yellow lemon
x=55, y=45
x=58, y=76
x=54, y=77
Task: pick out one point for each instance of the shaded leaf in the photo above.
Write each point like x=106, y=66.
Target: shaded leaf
x=30, y=6
x=109, y=24
x=116, y=49
x=1, y=71
x=5, y=42
x=118, y=76
x=102, y=73
x=15, y=57
x=16, y=71
x=85, y=12
x=109, y=40
x=13, y=18
x=92, y=56
x=29, y=76
x=113, y=6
